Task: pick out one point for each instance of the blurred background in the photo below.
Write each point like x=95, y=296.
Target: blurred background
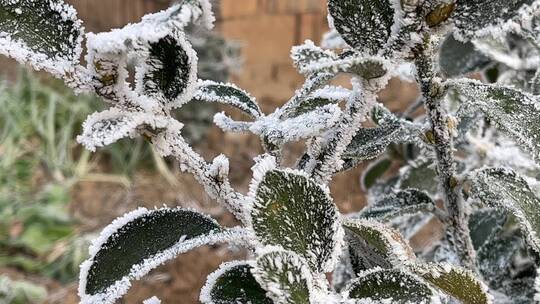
x=55, y=197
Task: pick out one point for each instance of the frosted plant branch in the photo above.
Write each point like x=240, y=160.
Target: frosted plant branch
x=433, y=91
x=213, y=177
x=326, y=156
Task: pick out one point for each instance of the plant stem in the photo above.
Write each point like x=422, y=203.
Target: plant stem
x=433, y=92
x=327, y=159
x=215, y=186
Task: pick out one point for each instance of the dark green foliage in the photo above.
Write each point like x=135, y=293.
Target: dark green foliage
x=169, y=69
x=374, y=172
x=503, y=188
x=457, y=58
x=471, y=16
x=513, y=111
x=364, y=25
x=45, y=28
x=142, y=238
x=410, y=201
x=230, y=95
x=294, y=212
x=458, y=283
x=235, y=284
x=373, y=245
x=397, y=285
x=287, y=272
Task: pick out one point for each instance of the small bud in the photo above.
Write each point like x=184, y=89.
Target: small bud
x=440, y=14
x=429, y=137
x=453, y=182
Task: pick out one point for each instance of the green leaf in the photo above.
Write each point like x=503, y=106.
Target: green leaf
x=320, y=98
x=496, y=256
x=474, y=17
x=140, y=241
x=404, y=202
x=169, y=72
x=374, y=172
x=294, y=212
x=228, y=94
x=457, y=58
x=347, y=62
x=419, y=175
x=369, y=143
x=285, y=275
x=391, y=284
x=372, y=244
x=45, y=34
x=456, y=282
x=484, y=224
x=365, y=25
x=233, y=283
x=514, y=112
x=503, y=188
x=308, y=55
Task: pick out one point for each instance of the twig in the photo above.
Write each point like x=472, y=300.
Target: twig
x=433, y=92
x=216, y=186
x=327, y=159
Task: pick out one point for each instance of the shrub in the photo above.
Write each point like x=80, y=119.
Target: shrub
x=475, y=150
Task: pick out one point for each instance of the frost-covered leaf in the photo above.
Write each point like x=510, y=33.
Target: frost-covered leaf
x=503, y=188
x=495, y=258
x=285, y=275
x=228, y=94
x=140, y=241
x=369, y=143
x=515, y=112
x=320, y=98
x=391, y=286
x=373, y=172
x=408, y=201
x=294, y=212
x=484, y=224
x=169, y=71
x=366, y=25
x=233, y=283
x=104, y=128
x=46, y=34
x=165, y=62
x=348, y=62
x=457, y=58
x=475, y=18
x=308, y=55
x=459, y=283
x=304, y=126
x=372, y=244
x=419, y=175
